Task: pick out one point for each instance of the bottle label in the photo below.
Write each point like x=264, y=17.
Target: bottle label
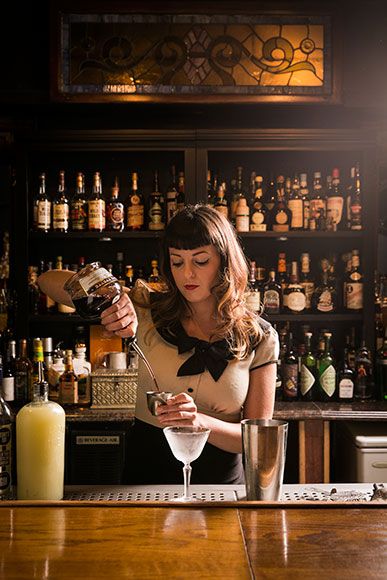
x=346, y=389
x=60, y=216
x=8, y=387
x=5, y=457
x=97, y=220
x=335, y=208
x=79, y=215
x=307, y=380
x=281, y=217
x=328, y=380
x=271, y=299
x=325, y=303
x=44, y=215
x=242, y=223
x=315, y=206
x=289, y=380
x=116, y=214
x=156, y=217
x=68, y=392
x=354, y=295
x=296, y=301
x=308, y=289
x=21, y=386
x=296, y=207
x=135, y=216
x=96, y=279
x=253, y=301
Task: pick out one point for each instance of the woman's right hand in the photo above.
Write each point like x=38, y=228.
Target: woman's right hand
x=120, y=318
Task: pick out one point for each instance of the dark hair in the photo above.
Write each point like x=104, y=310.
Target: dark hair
x=200, y=225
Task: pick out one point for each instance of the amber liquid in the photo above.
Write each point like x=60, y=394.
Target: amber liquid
x=90, y=307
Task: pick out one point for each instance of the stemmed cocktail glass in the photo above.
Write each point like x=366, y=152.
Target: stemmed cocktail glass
x=186, y=444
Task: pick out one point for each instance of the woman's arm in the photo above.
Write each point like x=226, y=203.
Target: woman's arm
x=181, y=410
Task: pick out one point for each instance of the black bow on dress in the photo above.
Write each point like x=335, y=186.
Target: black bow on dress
x=213, y=356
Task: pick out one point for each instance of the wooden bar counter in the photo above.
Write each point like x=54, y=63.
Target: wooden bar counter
x=92, y=540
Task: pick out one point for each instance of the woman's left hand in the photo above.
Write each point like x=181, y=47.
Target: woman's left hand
x=178, y=410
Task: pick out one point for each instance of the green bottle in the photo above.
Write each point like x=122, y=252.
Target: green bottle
x=326, y=373
x=308, y=371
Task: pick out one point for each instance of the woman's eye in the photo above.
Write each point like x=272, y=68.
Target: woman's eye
x=176, y=264
x=202, y=263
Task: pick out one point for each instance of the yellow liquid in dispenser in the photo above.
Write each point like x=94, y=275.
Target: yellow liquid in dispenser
x=40, y=442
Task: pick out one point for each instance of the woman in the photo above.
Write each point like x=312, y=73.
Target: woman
x=205, y=346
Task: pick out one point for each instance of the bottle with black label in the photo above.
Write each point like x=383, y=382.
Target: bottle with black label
x=6, y=429
x=345, y=381
x=364, y=376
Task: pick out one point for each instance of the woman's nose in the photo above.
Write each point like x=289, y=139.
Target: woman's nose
x=189, y=271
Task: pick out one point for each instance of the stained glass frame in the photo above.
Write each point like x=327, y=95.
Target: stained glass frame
x=103, y=57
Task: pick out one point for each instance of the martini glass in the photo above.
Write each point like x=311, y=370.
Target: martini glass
x=186, y=444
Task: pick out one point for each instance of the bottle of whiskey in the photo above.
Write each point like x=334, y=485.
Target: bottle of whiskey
x=326, y=372
x=318, y=206
x=353, y=285
x=242, y=214
x=258, y=222
x=289, y=371
x=306, y=281
x=236, y=195
x=282, y=275
x=79, y=206
x=171, y=197
x=335, y=202
x=345, y=380
x=42, y=207
x=281, y=216
x=308, y=371
x=129, y=276
x=272, y=295
x=68, y=382
x=135, y=208
x=61, y=207
x=364, y=376
x=296, y=206
x=304, y=192
x=324, y=297
x=156, y=207
x=355, y=208
x=115, y=213
x=295, y=293
x=96, y=206
x=221, y=204
x=154, y=280
x=253, y=293
x=270, y=195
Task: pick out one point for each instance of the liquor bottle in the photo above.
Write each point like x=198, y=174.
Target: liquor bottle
x=171, y=197
x=364, y=377
x=236, y=194
x=68, y=382
x=258, y=221
x=381, y=369
x=345, y=380
x=96, y=206
x=61, y=207
x=289, y=370
x=351, y=348
x=42, y=207
x=6, y=454
x=295, y=294
x=79, y=206
x=318, y=205
x=37, y=364
x=282, y=275
x=242, y=214
x=54, y=373
x=154, y=280
x=355, y=208
x=221, y=204
x=135, y=208
x=270, y=195
x=335, y=202
x=324, y=297
x=40, y=459
x=296, y=206
x=82, y=368
x=115, y=212
x=129, y=278
x=304, y=192
x=326, y=373
x=272, y=295
x=48, y=351
x=8, y=380
x=119, y=270
x=180, y=200
x=23, y=374
x=308, y=371
x=33, y=290
x=281, y=216
x=353, y=285
x=156, y=207
x=306, y=281
x=253, y=292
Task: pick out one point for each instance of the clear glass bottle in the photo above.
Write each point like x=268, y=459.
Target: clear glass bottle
x=40, y=459
x=82, y=368
x=324, y=297
x=68, y=383
x=61, y=207
x=42, y=207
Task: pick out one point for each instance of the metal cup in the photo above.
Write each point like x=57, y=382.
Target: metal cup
x=157, y=398
x=264, y=453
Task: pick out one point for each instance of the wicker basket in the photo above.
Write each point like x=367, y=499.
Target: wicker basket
x=113, y=389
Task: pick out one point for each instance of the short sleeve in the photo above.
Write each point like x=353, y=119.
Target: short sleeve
x=267, y=351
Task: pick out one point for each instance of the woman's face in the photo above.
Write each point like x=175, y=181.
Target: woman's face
x=195, y=272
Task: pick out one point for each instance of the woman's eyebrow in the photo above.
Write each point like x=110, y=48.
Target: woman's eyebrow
x=194, y=254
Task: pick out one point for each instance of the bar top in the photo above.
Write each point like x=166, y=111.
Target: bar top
x=94, y=542
x=367, y=411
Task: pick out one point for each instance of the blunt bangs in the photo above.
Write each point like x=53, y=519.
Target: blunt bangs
x=187, y=231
